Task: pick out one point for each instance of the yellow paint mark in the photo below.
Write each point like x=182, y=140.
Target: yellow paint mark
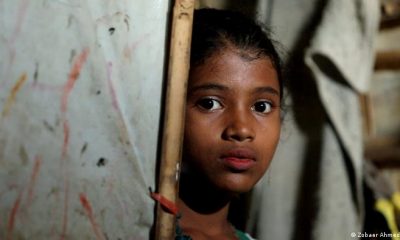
x=13, y=94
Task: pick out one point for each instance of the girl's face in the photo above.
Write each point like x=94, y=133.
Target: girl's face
x=232, y=120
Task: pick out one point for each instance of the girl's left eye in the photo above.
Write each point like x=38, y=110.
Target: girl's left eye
x=262, y=107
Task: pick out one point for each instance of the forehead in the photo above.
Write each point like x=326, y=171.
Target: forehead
x=237, y=67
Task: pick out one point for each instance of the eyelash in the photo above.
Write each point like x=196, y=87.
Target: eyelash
x=202, y=103
x=269, y=103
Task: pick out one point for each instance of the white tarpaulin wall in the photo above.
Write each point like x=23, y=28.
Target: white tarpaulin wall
x=80, y=97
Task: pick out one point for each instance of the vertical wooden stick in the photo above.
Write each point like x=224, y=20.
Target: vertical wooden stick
x=178, y=71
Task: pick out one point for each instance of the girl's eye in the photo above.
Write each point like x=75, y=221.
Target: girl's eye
x=209, y=104
x=262, y=107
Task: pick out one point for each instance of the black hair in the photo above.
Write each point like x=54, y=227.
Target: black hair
x=215, y=30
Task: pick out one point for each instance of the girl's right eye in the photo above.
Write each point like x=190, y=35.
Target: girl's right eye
x=209, y=104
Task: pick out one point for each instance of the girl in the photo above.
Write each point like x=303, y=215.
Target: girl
x=232, y=120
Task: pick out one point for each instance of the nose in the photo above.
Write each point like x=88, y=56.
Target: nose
x=239, y=126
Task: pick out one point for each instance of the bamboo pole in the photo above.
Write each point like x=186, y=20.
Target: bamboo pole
x=178, y=71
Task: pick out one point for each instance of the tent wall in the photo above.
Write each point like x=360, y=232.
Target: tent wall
x=80, y=97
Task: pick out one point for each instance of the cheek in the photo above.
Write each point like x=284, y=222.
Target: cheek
x=269, y=139
x=275, y=133
x=196, y=135
x=193, y=129
x=201, y=143
x=200, y=127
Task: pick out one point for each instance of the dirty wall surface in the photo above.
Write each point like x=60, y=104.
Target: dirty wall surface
x=80, y=94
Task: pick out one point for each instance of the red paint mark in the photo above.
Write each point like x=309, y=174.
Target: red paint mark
x=66, y=138
x=73, y=76
x=35, y=172
x=66, y=91
x=13, y=214
x=13, y=94
x=114, y=100
x=129, y=49
x=89, y=212
x=168, y=205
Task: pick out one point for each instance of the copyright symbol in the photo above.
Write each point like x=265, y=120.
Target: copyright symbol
x=353, y=234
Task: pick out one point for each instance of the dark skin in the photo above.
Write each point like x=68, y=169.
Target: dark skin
x=231, y=133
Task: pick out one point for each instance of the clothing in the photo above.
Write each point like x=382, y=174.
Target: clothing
x=181, y=236
x=243, y=236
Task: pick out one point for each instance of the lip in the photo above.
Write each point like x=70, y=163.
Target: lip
x=239, y=159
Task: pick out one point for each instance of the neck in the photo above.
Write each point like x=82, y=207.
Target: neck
x=204, y=209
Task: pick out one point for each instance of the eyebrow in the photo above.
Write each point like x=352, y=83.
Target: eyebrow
x=267, y=90
x=213, y=86
x=210, y=86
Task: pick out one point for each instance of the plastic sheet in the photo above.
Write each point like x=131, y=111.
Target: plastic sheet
x=80, y=97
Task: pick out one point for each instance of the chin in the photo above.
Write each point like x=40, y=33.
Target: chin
x=237, y=185
x=238, y=190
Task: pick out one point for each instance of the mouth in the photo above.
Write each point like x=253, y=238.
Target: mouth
x=239, y=159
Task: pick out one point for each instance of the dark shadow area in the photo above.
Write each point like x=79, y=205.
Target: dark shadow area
x=247, y=7
x=374, y=221
x=310, y=117
x=329, y=68
x=239, y=211
x=350, y=172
